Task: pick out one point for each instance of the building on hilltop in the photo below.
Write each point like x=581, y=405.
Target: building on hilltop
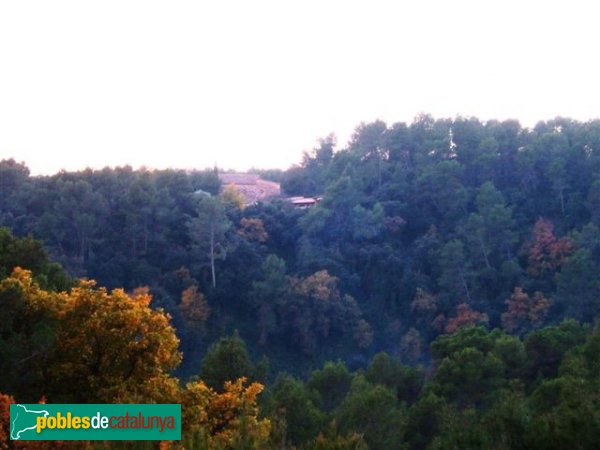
x=304, y=202
x=239, y=179
x=250, y=186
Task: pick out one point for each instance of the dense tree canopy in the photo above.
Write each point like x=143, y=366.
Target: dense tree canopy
x=468, y=249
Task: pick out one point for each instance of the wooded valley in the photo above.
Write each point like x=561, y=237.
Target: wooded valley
x=442, y=294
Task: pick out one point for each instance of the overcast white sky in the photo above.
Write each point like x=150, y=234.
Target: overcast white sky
x=254, y=83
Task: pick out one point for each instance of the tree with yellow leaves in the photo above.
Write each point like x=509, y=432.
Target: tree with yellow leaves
x=231, y=194
x=228, y=420
x=253, y=230
x=113, y=347
x=194, y=307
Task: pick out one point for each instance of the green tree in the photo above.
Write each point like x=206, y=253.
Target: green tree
x=15, y=186
x=455, y=275
x=29, y=318
x=405, y=381
x=507, y=423
x=578, y=286
x=368, y=144
x=566, y=412
x=331, y=383
x=316, y=309
x=593, y=201
x=268, y=293
x=209, y=231
x=440, y=193
x=373, y=411
x=291, y=402
x=546, y=347
x=30, y=254
x=331, y=439
x=489, y=231
x=226, y=360
x=425, y=419
x=473, y=364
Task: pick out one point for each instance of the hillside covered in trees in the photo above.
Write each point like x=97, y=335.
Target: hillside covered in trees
x=442, y=294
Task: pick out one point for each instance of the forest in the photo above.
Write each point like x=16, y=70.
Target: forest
x=443, y=294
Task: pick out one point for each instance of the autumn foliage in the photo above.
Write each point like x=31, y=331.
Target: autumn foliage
x=225, y=420
x=465, y=316
x=5, y=402
x=253, y=230
x=111, y=347
x=546, y=253
x=194, y=307
x=524, y=312
x=316, y=308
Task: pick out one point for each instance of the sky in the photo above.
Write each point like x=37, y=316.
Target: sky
x=240, y=84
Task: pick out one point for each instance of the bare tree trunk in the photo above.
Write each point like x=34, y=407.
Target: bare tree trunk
x=262, y=340
x=485, y=256
x=145, y=234
x=212, y=255
x=464, y=283
x=562, y=202
x=378, y=168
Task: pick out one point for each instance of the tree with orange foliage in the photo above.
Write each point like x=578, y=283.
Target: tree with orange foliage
x=523, y=312
x=253, y=229
x=315, y=308
x=194, y=307
x=227, y=420
x=7, y=444
x=5, y=402
x=464, y=316
x=546, y=253
x=112, y=347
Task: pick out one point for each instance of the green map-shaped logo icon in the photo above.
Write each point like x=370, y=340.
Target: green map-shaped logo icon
x=22, y=420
